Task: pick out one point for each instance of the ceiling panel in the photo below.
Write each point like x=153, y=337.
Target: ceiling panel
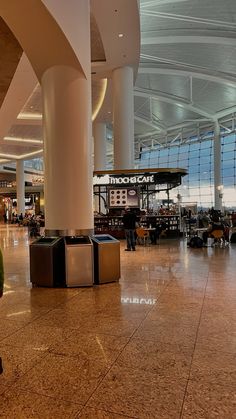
x=171, y=114
x=173, y=85
x=222, y=58
x=213, y=97
x=213, y=13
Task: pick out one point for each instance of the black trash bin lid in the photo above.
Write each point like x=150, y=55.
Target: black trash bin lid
x=46, y=240
x=104, y=238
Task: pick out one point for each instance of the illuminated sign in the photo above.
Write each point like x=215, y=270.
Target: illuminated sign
x=132, y=179
x=123, y=180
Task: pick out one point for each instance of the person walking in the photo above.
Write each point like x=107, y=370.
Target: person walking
x=129, y=221
x=1, y=294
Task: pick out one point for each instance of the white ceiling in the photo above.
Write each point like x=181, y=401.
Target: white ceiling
x=187, y=68
x=186, y=77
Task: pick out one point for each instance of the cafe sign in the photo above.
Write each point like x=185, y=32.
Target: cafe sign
x=147, y=179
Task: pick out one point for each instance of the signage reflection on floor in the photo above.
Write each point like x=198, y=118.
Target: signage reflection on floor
x=134, y=300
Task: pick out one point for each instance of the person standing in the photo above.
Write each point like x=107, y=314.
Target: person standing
x=129, y=221
x=1, y=294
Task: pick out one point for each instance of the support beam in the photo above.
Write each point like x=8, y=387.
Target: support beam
x=217, y=168
x=159, y=3
x=173, y=100
x=187, y=71
x=20, y=187
x=192, y=19
x=189, y=39
x=149, y=123
x=226, y=112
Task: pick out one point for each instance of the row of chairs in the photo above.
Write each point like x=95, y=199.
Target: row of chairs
x=219, y=238
x=143, y=235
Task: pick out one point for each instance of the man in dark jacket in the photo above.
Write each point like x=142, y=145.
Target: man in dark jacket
x=129, y=221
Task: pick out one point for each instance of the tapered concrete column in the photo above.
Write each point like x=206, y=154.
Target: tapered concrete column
x=67, y=152
x=99, y=133
x=20, y=187
x=123, y=117
x=217, y=169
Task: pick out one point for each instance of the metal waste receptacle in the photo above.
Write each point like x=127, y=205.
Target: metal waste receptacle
x=47, y=262
x=106, y=258
x=79, y=261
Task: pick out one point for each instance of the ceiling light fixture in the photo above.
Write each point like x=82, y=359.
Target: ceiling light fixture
x=23, y=140
x=22, y=156
x=121, y=35
x=102, y=96
x=30, y=115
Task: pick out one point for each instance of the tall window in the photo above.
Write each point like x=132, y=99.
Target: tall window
x=198, y=159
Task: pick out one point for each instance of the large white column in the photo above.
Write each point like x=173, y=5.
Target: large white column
x=99, y=133
x=217, y=168
x=20, y=187
x=67, y=152
x=123, y=117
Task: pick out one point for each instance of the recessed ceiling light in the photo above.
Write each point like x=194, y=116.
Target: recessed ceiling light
x=29, y=115
x=121, y=35
x=109, y=112
x=23, y=140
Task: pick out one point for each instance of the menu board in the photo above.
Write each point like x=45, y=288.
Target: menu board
x=122, y=197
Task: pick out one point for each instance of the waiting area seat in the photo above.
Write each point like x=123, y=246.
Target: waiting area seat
x=218, y=236
x=142, y=236
x=163, y=234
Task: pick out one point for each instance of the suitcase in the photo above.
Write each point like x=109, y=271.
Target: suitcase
x=195, y=242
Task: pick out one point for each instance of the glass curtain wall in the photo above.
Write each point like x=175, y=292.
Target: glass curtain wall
x=198, y=158
x=36, y=164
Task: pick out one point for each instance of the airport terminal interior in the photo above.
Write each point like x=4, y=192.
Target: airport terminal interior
x=118, y=209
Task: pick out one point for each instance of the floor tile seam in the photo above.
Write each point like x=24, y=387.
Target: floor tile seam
x=162, y=292
x=26, y=372
x=42, y=393
x=109, y=411
x=28, y=390
x=100, y=380
x=37, y=317
x=111, y=366
x=158, y=298
x=27, y=324
x=45, y=313
x=220, y=351
x=77, y=356
x=191, y=363
x=155, y=375
x=15, y=331
x=146, y=315
x=115, y=360
x=61, y=304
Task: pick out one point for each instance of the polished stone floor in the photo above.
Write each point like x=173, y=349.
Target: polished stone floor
x=161, y=343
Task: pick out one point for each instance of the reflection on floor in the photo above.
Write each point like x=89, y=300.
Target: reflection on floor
x=161, y=343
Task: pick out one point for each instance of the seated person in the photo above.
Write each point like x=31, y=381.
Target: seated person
x=233, y=234
x=205, y=220
x=152, y=222
x=215, y=224
x=161, y=228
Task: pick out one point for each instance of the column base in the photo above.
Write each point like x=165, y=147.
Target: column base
x=69, y=232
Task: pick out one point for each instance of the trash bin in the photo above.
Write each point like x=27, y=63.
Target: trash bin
x=106, y=258
x=47, y=262
x=79, y=261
